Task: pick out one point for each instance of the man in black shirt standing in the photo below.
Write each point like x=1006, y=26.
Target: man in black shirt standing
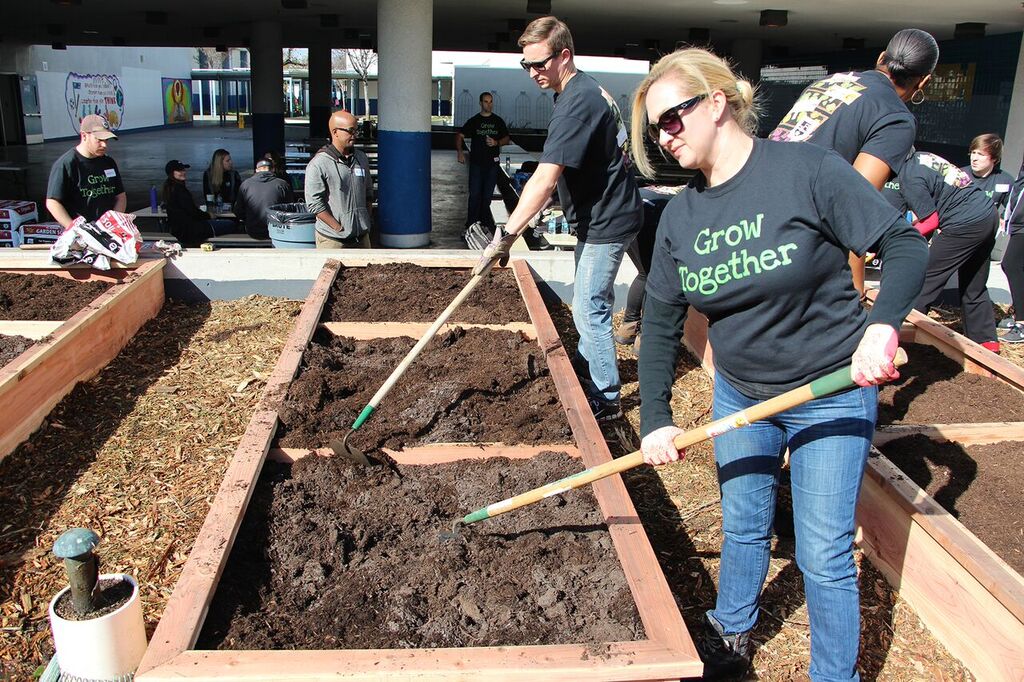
x=585, y=157
x=85, y=181
x=487, y=133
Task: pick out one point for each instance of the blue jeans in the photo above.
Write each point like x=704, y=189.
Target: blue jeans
x=828, y=441
x=222, y=226
x=592, y=298
x=482, y=178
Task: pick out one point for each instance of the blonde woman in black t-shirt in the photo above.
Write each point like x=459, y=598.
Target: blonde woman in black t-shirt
x=758, y=242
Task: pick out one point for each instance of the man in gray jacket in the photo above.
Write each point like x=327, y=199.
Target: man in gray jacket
x=338, y=187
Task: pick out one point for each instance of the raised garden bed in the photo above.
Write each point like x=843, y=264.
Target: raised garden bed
x=663, y=649
x=970, y=599
x=71, y=349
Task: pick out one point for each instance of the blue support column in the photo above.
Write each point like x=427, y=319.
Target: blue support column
x=404, y=30
x=267, y=88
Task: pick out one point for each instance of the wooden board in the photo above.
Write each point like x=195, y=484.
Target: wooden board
x=34, y=382
x=437, y=453
x=30, y=329
x=667, y=653
x=966, y=595
x=379, y=330
x=968, y=434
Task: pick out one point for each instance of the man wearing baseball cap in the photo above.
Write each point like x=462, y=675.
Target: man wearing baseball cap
x=257, y=194
x=85, y=181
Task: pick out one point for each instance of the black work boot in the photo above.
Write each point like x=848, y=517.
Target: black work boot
x=725, y=656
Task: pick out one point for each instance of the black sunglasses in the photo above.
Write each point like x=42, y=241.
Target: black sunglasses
x=537, y=65
x=671, y=121
x=350, y=131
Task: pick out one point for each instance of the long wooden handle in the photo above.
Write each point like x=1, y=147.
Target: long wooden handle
x=830, y=383
x=412, y=354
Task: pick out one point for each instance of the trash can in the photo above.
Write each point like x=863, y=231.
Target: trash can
x=291, y=226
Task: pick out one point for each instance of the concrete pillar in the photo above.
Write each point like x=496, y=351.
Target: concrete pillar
x=1013, y=140
x=267, y=89
x=319, y=88
x=404, y=30
x=746, y=53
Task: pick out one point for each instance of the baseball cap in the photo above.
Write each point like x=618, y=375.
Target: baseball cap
x=175, y=165
x=264, y=163
x=98, y=126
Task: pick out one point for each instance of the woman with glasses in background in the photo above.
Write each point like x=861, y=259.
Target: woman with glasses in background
x=758, y=242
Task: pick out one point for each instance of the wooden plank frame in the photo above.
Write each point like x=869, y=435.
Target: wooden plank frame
x=970, y=599
x=74, y=350
x=667, y=653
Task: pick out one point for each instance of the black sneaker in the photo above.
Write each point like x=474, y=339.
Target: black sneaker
x=605, y=411
x=1005, y=323
x=725, y=656
x=1015, y=335
x=627, y=333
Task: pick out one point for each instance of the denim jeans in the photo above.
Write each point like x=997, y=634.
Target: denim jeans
x=482, y=178
x=592, y=298
x=221, y=226
x=828, y=441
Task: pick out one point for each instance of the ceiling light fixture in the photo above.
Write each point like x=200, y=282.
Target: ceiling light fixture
x=969, y=29
x=774, y=18
x=538, y=6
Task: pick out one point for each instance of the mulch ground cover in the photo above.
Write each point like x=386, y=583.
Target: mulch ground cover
x=978, y=484
x=332, y=555
x=45, y=297
x=12, y=346
x=933, y=389
x=680, y=508
x=136, y=454
x=412, y=293
x=473, y=385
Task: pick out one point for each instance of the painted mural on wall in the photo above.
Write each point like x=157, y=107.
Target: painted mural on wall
x=94, y=93
x=177, y=100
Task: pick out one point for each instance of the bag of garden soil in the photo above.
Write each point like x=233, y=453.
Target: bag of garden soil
x=112, y=235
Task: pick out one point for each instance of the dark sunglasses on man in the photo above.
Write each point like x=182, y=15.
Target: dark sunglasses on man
x=542, y=64
x=671, y=121
x=350, y=131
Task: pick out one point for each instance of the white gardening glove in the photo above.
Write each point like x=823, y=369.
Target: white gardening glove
x=498, y=248
x=658, y=448
x=872, y=361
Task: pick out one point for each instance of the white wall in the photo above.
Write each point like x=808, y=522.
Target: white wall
x=1013, y=141
x=139, y=71
x=518, y=100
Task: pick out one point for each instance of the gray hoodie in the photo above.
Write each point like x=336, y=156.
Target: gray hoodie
x=343, y=188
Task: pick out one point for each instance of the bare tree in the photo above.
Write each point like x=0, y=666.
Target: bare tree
x=292, y=56
x=210, y=58
x=362, y=61
x=339, y=62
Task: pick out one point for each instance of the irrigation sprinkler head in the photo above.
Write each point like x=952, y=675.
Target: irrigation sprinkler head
x=76, y=547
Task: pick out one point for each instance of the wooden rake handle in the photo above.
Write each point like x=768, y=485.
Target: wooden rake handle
x=828, y=384
x=414, y=353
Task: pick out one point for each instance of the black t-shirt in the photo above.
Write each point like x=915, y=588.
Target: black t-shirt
x=996, y=185
x=587, y=136
x=928, y=183
x=852, y=113
x=764, y=256
x=85, y=187
x=476, y=129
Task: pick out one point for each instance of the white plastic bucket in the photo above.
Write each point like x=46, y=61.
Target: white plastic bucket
x=105, y=648
x=292, y=235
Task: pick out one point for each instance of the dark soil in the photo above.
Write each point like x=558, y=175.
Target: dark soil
x=978, y=484
x=13, y=346
x=331, y=555
x=45, y=297
x=411, y=293
x=477, y=386
x=110, y=595
x=932, y=389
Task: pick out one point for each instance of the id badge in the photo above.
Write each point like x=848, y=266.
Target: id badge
x=110, y=173
x=358, y=170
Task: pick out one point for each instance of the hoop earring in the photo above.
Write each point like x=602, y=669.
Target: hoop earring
x=915, y=100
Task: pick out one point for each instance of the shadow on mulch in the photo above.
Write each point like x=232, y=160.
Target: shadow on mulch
x=42, y=471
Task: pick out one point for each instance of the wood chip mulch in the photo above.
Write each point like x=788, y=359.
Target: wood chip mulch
x=681, y=512
x=137, y=455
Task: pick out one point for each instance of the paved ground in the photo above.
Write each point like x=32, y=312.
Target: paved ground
x=141, y=158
